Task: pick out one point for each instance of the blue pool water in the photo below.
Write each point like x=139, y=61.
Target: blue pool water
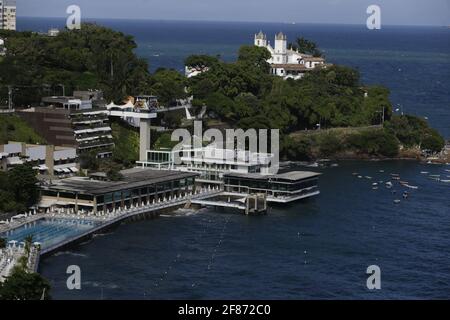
x=49, y=231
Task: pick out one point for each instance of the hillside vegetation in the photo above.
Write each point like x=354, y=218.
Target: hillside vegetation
x=13, y=128
x=238, y=94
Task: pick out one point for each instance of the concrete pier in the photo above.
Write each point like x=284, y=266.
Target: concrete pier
x=248, y=204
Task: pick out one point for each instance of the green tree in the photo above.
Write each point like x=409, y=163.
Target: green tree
x=88, y=160
x=255, y=57
x=3, y=243
x=23, y=285
x=23, y=185
x=168, y=85
x=306, y=46
x=433, y=141
x=201, y=61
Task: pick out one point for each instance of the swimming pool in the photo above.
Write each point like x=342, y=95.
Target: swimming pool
x=50, y=231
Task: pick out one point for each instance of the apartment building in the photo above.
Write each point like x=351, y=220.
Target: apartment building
x=8, y=14
x=73, y=122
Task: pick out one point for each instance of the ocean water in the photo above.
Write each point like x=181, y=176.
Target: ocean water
x=318, y=248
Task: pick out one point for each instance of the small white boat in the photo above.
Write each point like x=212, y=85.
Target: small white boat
x=368, y=177
x=360, y=177
x=397, y=201
x=435, y=175
x=424, y=172
x=375, y=183
x=446, y=181
x=355, y=173
x=411, y=187
x=395, y=174
x=374, y=188
x=388, y=184
x=381, y=171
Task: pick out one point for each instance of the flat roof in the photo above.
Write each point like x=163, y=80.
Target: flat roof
x=132, y=178
x=289, y=66
x=290, y=175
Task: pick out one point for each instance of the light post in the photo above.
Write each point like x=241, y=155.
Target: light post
x=63, y=88
x=381, y=112
x=10, y=97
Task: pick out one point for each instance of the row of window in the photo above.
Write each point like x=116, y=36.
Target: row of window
x=266, y=185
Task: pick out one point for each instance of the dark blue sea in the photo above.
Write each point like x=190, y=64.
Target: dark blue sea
x=319, y=248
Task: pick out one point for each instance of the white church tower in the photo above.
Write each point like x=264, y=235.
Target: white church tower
x=260, y=39
x=280, y=55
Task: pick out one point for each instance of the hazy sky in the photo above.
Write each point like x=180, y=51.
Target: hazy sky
x=394, y=12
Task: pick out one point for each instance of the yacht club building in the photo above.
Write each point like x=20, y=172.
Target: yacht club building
x=138, y=186
x=281, y=188
x=237, y=172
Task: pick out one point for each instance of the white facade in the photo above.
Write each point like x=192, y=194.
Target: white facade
x=210, y=162
x=285, y=62
x=8, y=14
x=47, y=160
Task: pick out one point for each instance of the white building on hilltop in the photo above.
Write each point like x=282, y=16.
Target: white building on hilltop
x=285, y=62
x=8, y=14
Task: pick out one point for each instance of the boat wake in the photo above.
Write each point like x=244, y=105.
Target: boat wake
x=70, y=253
x=181, y=213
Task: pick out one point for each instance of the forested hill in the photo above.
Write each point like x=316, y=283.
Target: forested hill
x=239, y=94
x=93, y=57
x=244, y=94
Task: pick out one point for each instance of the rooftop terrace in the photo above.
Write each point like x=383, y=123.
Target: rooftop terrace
x=132, y=178
x=290, y=176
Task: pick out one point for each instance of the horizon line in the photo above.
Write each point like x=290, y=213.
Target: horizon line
x=237, y=21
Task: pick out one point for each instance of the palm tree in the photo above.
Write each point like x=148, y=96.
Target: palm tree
x=2, y=243
x=28, y=241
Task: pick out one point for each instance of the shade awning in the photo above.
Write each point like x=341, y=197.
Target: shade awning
x=14, y=160
x=74, y=169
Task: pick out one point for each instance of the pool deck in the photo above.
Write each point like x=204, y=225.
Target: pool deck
x=106, y=220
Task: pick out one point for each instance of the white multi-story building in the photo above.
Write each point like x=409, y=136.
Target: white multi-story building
x=285, y=62
x=236, y=172
x=8, y=14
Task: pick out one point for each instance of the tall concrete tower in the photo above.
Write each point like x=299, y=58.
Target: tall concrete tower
x=280, y=43
x=260, y=39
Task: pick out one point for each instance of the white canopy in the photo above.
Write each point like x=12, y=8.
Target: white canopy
x=128, y=105
x=14, y=160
